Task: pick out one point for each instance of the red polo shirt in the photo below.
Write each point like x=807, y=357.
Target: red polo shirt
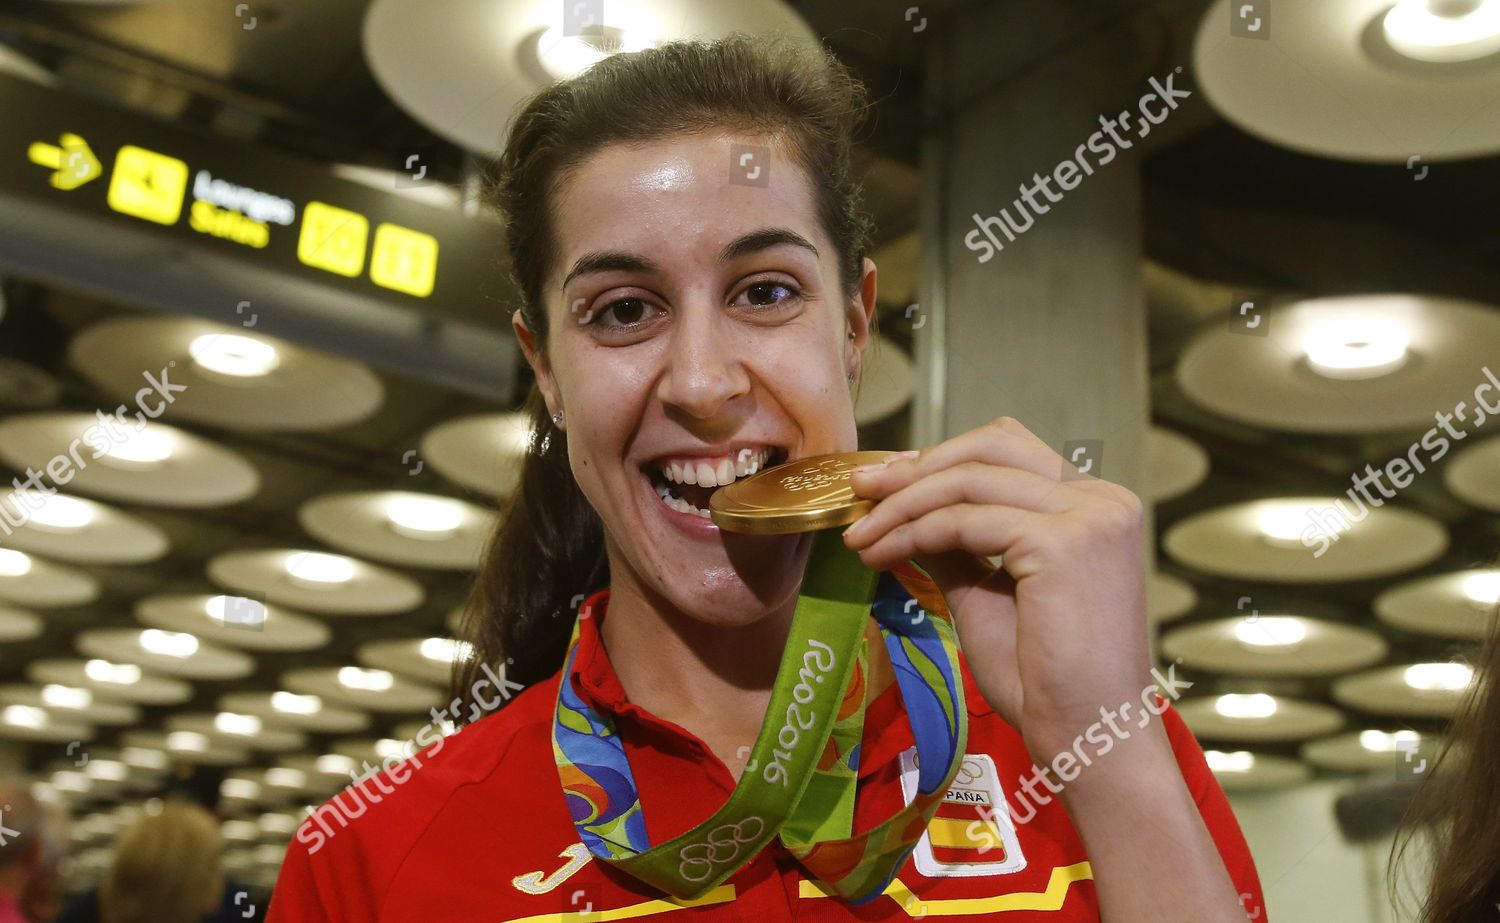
x=480, y=833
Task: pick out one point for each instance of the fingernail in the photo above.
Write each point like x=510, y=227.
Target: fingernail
x=861, y=468
x=901, y=456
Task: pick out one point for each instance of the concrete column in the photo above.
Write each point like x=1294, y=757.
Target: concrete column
x=1049, y=326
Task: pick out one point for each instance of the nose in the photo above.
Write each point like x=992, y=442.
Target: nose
x=704, y=365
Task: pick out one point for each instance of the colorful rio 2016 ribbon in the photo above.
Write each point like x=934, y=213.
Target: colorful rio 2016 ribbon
x=801, y=781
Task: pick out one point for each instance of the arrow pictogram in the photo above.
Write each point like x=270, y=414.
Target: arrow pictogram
x=71, y=161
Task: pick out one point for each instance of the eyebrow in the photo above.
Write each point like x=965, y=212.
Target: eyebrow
x=744, y=245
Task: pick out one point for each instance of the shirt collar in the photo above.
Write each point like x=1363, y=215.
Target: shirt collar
x=593, y=675
x=597, y=683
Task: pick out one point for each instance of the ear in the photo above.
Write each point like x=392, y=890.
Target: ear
x=537, y=359
x=860, y=314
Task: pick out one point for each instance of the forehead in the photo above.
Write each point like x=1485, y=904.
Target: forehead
x=690, y=194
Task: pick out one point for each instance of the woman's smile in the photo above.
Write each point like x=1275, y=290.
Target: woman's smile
x=685, y=481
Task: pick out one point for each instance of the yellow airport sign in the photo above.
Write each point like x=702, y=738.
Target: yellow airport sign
x=71, y=160
x=404, y=260
x=147, y=185
x=333, y=238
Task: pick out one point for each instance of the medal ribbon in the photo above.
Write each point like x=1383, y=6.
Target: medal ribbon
x=801, y=780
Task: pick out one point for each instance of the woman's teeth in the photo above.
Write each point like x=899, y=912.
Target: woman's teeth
x=679, y=504
x=708, y=473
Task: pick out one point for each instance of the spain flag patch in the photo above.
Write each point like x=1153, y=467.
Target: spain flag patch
x=972, y=833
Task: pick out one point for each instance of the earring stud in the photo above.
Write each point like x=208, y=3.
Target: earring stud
x=557, y=418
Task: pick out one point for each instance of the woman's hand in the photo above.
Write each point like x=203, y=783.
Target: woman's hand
x=1059, y=630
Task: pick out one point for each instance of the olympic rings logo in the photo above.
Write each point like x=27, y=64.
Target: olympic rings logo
x=722, y=846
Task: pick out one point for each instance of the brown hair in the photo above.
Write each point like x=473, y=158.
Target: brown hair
x=1458, y=805
x=166, y=868
x=548, y=548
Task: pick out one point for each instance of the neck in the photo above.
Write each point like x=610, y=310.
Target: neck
x=713, y=680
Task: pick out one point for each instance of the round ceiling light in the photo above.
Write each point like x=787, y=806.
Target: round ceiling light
x=462, y=67
x=1373, y=81
x=1444, y=31
x=1271, y=631
x=1367, y=348
x=234, y=355
x=564, y=56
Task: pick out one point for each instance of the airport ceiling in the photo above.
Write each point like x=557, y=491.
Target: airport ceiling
x=1224, y=213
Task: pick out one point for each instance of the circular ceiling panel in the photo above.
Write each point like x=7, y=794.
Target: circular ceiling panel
x=401, y=527
x=1258, y=718
x=1274, y=645
x=40, y=725
x=288, y=709
x=1354, y=79
x=167, y=652
x=482, y=452
x=78, y=530
x=27, y=580
x=1402, y=753
x=1460, y=605
x=70, y=703
x=234, y=621
x=1243, y=771
x=427, y=659
x=1348, y=364
x=316, y=582
x=120, y=682
x=1305, y=540
x=372, y=690
x=224, y=376
x=1412, y=690
x=460, y=67
x=16, y=625
x=1168, y=597
x=236, y=730
x=152, y=464
x=886, y=383
x=1474, y=474
x=1177, y=464
x=188, y=747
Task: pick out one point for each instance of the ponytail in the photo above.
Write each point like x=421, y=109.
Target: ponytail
x=547, y=552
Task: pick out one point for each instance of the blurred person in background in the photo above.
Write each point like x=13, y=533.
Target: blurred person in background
x=22, y=845
x=1457, y=808
x=43, y=900
x=166, y=868
x=199, y=787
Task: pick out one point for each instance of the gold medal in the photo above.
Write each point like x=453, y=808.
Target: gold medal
x=803, y=495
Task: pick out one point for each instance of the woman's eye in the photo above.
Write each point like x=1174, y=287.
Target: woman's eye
x=626, y=312
x=769, y=293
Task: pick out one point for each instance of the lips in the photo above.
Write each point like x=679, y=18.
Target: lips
x=685, y=482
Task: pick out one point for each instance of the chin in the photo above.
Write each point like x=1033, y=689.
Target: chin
x=731, y=599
